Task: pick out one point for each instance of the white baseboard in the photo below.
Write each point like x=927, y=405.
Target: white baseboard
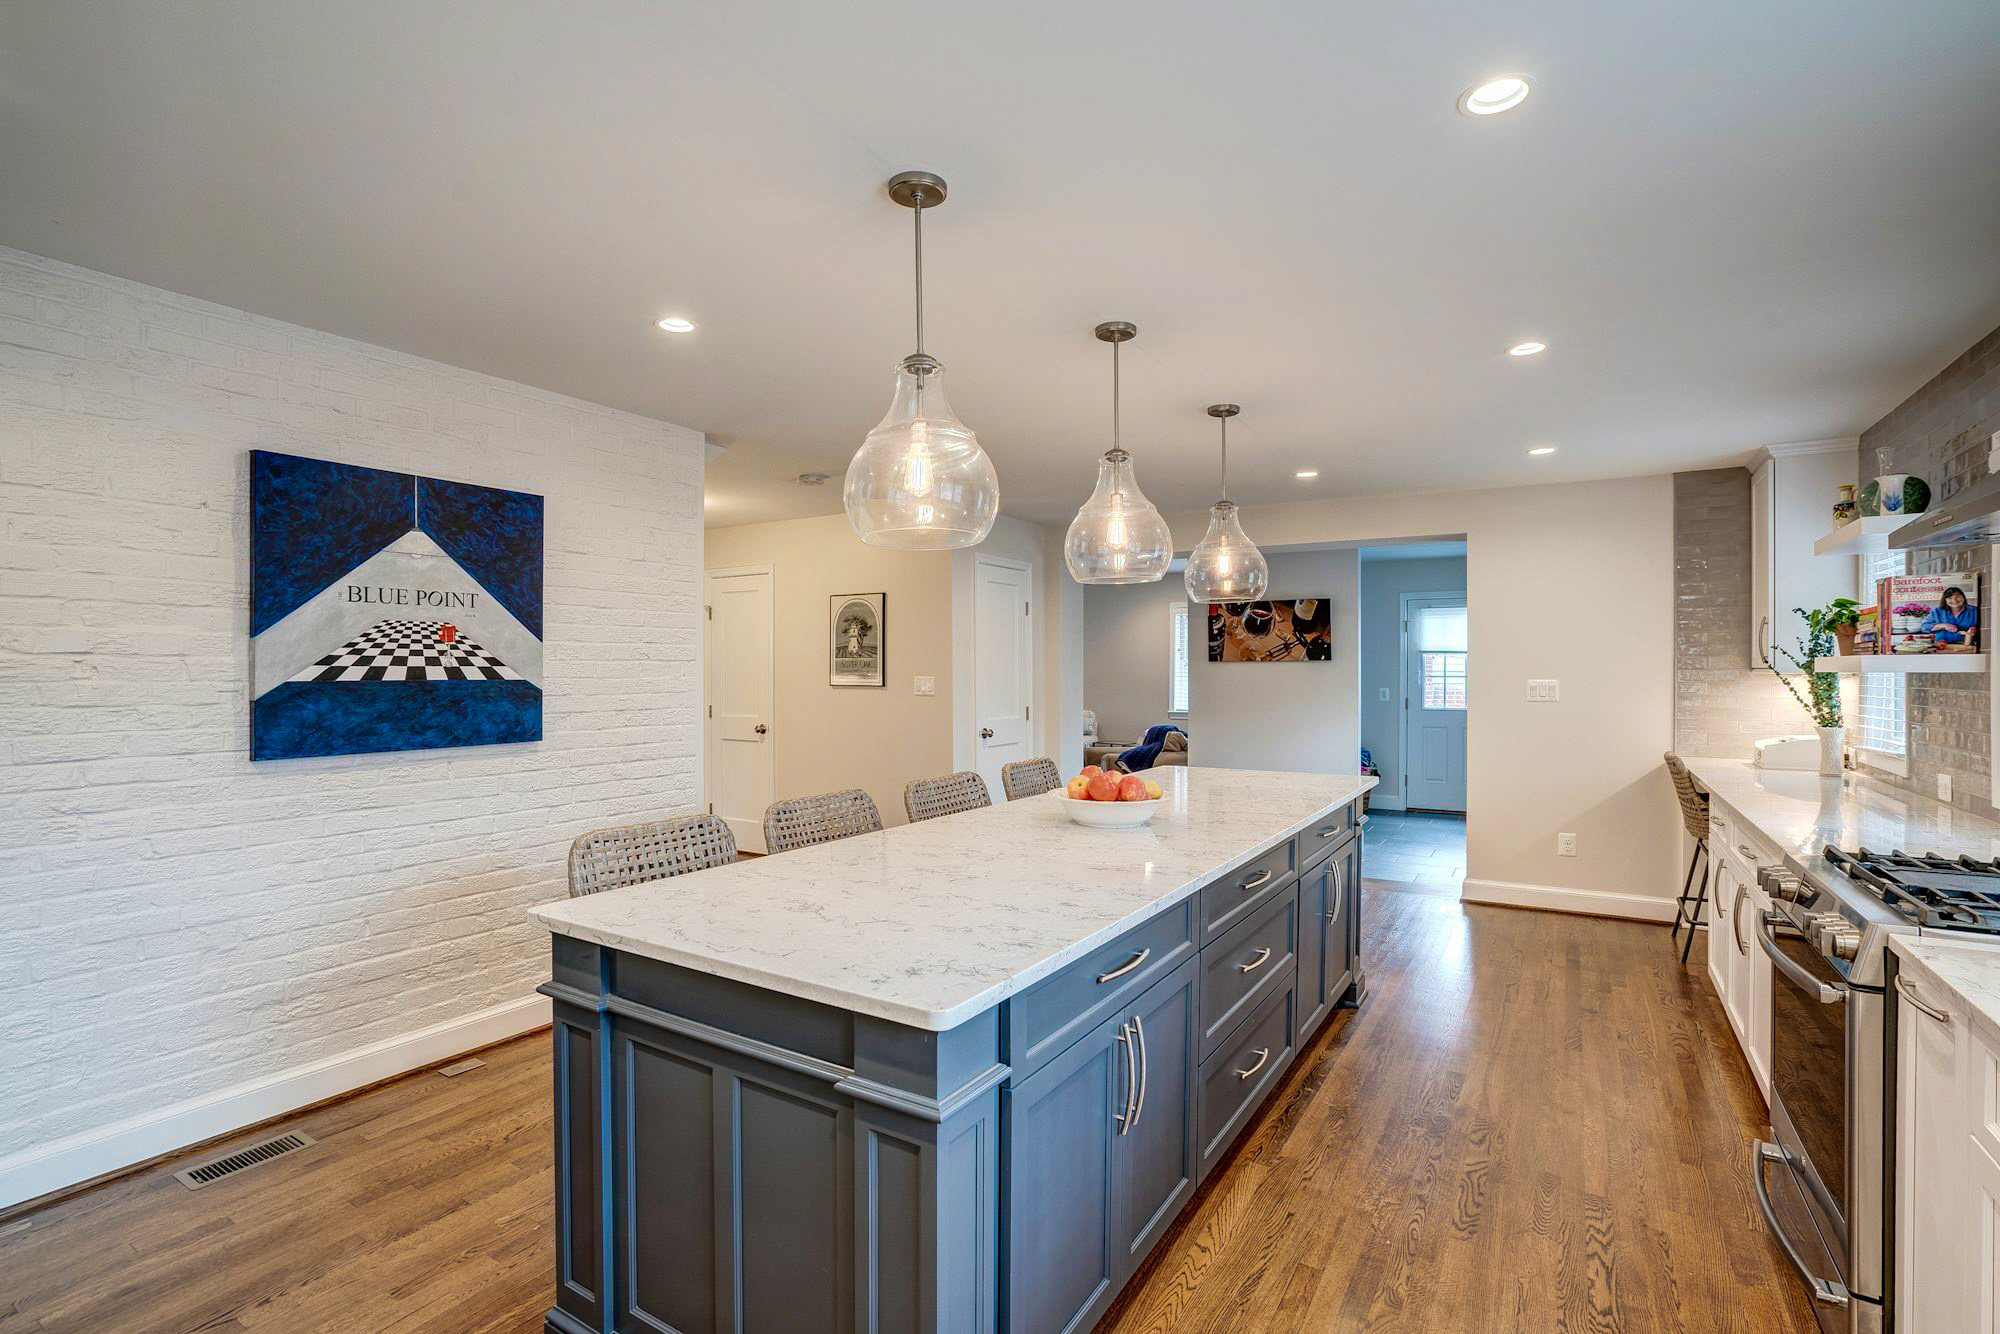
x=1592, y=902
x=92, y=1153
x=1385, y=803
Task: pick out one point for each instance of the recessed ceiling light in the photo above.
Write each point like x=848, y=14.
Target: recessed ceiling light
x=1495, y=95
x=675, y=324
x=1527, y=349
x=1306, y=474
x=1540, y=450
x=812, y=479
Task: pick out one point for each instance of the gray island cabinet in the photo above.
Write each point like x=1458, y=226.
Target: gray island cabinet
x=957, y=1077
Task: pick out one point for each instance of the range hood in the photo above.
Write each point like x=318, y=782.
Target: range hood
x=1972, y=517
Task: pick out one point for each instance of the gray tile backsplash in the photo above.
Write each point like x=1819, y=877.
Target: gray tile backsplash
x=1941, y=433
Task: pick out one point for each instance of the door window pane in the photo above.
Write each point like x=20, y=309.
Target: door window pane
x=1444, y=680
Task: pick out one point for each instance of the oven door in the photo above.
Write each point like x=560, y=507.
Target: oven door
x=1802, y=1178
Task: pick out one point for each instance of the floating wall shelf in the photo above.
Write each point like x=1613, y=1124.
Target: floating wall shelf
x=1906, y=662
x=1865, y=536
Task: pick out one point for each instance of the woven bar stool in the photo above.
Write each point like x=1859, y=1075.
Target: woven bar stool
x=800, y=822
x=928, y=798
x=1029, y=778
x=636, y=853
x=1694, y=814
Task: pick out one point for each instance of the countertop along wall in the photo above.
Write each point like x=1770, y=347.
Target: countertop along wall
x=1942, y=434
x=1383, y=583
x=1589, y=764
x=194, y=942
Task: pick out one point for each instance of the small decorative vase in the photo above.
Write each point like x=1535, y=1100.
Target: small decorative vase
x=1900, y=493
x=1846, y=510
x=1831, y=741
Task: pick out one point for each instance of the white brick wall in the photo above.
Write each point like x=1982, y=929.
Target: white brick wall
x=174, y=920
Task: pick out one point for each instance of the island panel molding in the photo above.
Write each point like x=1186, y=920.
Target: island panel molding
x=833, y=1129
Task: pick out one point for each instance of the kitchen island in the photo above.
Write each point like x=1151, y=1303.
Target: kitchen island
x=953, y=1076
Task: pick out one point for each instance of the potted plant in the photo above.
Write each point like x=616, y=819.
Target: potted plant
x=1843, y=617
x=1822, y=694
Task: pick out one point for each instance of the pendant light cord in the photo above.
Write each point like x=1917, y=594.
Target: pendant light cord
x=1114, y=396
x=1225, y=457
x=919, y=211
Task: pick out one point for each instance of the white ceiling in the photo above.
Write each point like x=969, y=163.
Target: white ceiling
x=1734, y=223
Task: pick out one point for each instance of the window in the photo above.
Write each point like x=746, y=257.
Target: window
x=1177, y=664
x=1883, y=712
x=1441, y=643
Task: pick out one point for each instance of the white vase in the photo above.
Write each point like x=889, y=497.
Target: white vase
x=1831, y=740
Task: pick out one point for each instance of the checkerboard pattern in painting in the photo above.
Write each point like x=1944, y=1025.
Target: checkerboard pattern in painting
x=408, y=651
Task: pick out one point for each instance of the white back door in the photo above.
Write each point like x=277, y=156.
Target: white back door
x=740, y=769
x=1434, y=699
x=1002, y=675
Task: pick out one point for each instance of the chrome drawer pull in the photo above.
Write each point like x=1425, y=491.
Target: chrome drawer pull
x=1263, y=1055
x=1903, y=985
x=1262, y=877
x=1329, y=833
x=1127, y=966
x=1744, y=848
x=1263, y=957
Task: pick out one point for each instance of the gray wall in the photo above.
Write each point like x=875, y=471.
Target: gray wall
x=1300, y=716
x=1941, y=433
x=1126, y=638
x=1720, y=704
x=1383, y=584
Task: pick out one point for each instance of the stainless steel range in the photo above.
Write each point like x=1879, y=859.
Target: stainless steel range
x=1825, y=1178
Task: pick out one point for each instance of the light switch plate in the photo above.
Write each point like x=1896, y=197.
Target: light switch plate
x=927, y=685
x=1565, y=845
x=1383, y=694
x=1544, y=692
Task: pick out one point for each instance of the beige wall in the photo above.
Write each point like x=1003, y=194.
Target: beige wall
x=1298, y=716
x=828, y=737
x=1383, y=584
x=1127, y=635
x=1590, y=764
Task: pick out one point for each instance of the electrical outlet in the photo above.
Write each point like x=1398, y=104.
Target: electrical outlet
x=927, y=685
x=1944, y=787
x=1383, y=694
x=1565, y=845
x=1544, y=692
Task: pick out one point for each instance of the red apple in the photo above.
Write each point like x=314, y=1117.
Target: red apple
x=1133, y=788
x=1091, y=771
x=1103, y=786
x=1079, y=788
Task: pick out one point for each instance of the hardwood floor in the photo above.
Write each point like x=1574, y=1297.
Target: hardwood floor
x=1537, y=1123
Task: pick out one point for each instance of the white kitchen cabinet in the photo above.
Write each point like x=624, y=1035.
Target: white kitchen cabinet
x=1721, y=899
x=1942, y=1197
x=1791, y=507
x=1738, y=968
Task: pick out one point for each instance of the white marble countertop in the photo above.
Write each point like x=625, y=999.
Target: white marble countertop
x=1801, y=812
x=930, y=924
x=1961, y=978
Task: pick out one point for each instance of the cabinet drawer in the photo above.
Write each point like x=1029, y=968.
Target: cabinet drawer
x=1323, y=837
x=1235, y=1080
x=1241, y=968
x=1051, y=1015
x=1234, y=896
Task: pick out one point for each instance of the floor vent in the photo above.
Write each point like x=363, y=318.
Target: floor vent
x=212, y=1171
x=460, y=1067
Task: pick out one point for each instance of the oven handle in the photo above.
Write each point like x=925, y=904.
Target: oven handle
x=1824, y=1291
x=1827, y=993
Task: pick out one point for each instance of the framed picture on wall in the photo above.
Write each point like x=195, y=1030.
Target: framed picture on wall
x=856, y=630
x=1294, y=630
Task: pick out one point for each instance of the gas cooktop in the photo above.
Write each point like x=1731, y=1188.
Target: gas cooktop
x=1937, y=893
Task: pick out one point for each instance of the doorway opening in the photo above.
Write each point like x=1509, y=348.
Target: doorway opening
x=1415, y=697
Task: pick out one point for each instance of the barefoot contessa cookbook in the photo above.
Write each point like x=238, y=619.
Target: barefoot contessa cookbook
x=1928, y=613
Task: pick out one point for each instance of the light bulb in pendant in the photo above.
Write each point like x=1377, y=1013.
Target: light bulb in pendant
x=1118, y=536
x=1225, y=565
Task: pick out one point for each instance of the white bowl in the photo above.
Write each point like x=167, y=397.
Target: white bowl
x=1110, y=814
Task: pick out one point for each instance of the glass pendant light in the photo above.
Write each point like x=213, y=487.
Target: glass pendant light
x=1225, y=565
x=1117, y=537
x=920, y=481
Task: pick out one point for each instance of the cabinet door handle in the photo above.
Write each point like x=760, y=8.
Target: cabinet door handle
x=1744, y=849
x=1262, y=877
x=1139, y=1104
x=1127, y=966
x=1263, y=957
x=1263, y=1055
x=1339, y=895
x=1910, y=995
x=1123, y=1118
x=1763, y=653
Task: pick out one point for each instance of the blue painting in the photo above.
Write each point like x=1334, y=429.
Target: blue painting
x=390, y=611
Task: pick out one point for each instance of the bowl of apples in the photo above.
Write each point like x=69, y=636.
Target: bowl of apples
x=1105, y=800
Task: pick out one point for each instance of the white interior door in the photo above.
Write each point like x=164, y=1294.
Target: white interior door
x=1002, y=679
x=1434, y=699
x=740, y=769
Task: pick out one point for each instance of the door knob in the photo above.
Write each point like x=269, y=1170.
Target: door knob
x=986, y=732
x=760, y=729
